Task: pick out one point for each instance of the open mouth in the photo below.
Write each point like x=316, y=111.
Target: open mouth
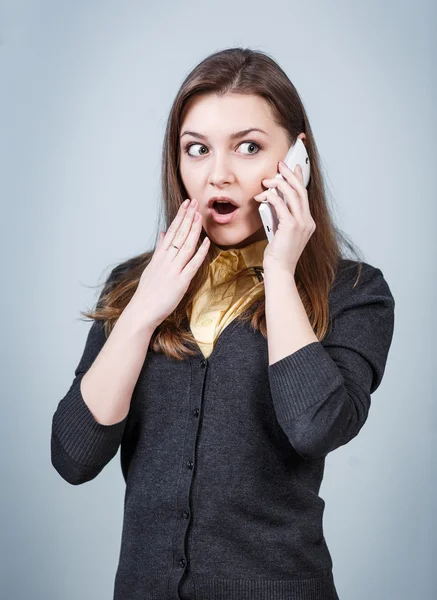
x=224, y=208
x=223, y=212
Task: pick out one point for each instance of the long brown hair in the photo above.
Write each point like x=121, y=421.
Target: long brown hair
x=240, y=71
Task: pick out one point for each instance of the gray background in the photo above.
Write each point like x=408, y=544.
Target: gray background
x=86, y=90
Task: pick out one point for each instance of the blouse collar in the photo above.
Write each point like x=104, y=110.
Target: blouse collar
x=252, y=254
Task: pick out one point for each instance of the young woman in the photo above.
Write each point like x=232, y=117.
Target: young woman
x=224, y=367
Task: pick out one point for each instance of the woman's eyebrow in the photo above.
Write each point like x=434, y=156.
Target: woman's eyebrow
x=232, y=136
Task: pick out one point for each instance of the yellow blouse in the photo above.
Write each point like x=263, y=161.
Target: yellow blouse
x=207, y=321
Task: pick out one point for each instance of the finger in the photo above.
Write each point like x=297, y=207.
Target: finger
x=280, y=206
x=193, y=265
x=185, y=228
x=290, y=195
x=297, y=177
x=291, y=177
x=189, y=245
x=299, y=173
x=174, y=227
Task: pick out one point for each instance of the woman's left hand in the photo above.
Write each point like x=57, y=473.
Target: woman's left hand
x=296, y=224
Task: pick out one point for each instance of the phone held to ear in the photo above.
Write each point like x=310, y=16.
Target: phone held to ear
x=296, y=155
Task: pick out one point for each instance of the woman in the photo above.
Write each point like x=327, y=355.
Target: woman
x=233, y=366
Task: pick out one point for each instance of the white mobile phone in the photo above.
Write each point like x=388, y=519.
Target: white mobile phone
x=296, y=155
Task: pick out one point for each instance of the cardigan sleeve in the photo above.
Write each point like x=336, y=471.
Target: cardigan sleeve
x=80, y=445
x=321, y=392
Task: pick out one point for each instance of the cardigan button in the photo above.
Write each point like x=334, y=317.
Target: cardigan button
x=186, y=514
x=190, y=464
x=202, y=364
x=196, y=412
x=182, y=562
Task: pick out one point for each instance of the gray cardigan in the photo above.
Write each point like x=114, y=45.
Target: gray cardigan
x=223, y=457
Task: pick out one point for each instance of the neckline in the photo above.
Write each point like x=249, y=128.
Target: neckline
x=227, y=331
x=252, y=254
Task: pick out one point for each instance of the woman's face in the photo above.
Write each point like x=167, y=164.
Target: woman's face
x=213, y=163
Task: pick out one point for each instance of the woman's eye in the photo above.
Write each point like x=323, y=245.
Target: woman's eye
x=188, y=147
x=252, y=144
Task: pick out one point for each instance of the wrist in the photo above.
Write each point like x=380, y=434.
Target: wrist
x=278, y=274
x=135, y=315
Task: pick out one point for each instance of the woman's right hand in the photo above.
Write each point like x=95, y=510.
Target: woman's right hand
x=167, y=277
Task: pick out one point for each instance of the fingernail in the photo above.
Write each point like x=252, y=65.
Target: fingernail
x=184, y=204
